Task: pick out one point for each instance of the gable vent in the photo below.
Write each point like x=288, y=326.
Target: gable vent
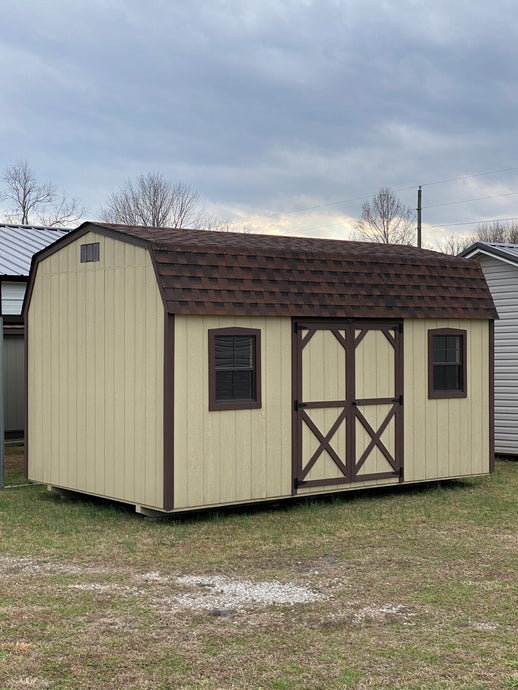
x=89, y=252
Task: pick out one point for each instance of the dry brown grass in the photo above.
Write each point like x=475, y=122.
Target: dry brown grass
x=413, y=589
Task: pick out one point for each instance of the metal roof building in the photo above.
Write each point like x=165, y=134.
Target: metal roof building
x=18, y=244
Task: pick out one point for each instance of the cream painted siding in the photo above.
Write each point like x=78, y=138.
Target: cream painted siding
x=95, y=373
x=448, y=437
x=231, y=455
x=323, y=379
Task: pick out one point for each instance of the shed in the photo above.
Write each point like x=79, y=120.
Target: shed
x=18, y=244
x=499, y=264
x=182, y=369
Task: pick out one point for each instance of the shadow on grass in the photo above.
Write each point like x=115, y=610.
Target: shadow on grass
x=286, y=505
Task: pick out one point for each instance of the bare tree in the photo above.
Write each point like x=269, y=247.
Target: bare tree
x=36, y=202
x=153, y=201
x=504, y=232
x=385, y=219
x=453, y=244
x=501, y=232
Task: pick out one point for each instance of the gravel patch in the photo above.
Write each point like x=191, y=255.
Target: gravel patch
x=197, y=592
x=219, y=592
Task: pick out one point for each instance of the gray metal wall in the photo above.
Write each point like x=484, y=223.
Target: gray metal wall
x=14, y=388
x=502, y=279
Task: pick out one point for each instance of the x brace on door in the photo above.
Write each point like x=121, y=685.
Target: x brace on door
x=348, y=466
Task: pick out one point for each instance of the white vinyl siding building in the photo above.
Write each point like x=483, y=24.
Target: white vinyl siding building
x=499, y=263
x=12, y=298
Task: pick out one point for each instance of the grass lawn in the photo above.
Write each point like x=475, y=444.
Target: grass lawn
x=407, y=588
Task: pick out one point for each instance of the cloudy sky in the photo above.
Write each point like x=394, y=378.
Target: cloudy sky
x=284, y=114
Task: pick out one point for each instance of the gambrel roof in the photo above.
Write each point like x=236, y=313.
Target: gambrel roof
x=225, y=273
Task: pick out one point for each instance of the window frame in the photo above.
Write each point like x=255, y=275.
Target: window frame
x=435, y=393
x=236, y=404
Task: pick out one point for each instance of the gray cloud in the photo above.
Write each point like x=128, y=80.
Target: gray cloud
x=264, y=106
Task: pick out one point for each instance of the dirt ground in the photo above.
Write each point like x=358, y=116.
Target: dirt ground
x=14, y=460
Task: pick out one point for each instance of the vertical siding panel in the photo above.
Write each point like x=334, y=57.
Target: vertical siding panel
x=46, y=379
x=195, y=457
x=99, y=374
x=139, y=321
x=119, y=372
x=409, y=419
x=283, y=442
x=61, y=335
x=182, y=495
x=90, y=369
x=267, y=476
x=129, y=372
x=239, y=482
x=159, y=335
x=71, y=359
x=419, y=386
x=35, y=440
x=430, y=450
x=226, y=482
x=80, y=383
x=480, y=449
x=110, y=357
x=455, y=412
x=53, y=368
x=443, y=408
x=150, y=363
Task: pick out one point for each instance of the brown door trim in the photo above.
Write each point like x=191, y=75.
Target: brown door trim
x=303, y=331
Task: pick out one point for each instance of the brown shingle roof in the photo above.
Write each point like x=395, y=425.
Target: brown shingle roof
x=222, y=273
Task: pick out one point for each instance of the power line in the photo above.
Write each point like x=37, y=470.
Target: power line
x=466, y=201
x=465, y=177
x=400, y=189
x=473, y=222
x=404, y=189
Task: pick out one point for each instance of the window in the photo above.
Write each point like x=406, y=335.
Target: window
x=447, y=363
x=89, y=252
x=234, y=368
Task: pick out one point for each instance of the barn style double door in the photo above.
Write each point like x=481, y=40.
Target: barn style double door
x=347, y=401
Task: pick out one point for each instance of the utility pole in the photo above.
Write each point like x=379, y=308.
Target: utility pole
x=419, y=195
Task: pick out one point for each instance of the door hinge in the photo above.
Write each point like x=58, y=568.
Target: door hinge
x=298, y=482
x=297, y=405
x=399, y=473
x=398, y=400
